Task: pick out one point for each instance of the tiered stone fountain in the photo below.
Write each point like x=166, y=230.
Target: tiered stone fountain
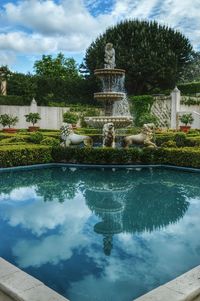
x=113, y=94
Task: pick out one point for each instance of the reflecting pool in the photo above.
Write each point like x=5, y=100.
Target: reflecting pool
x=96, y=234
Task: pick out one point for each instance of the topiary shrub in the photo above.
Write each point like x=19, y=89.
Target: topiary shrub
x=15, y=139
x=169, y=143
x=36, y=137
x=180, y=139
x=69, y=117
x=50, y=141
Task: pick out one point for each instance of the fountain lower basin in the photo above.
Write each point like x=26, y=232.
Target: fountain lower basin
x=118, y=121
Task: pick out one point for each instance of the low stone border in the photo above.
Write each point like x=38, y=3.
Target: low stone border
x=184, y=288
x=16, y=285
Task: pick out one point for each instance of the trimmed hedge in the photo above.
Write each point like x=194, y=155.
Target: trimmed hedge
x=17, y=155
x=189, y=88
x=186, y=156
x=96, y=155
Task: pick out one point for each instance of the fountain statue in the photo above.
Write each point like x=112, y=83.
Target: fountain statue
x=113, y=94
x=68, y=137
x=109, y=57
x=108, y=135
x=144, y=138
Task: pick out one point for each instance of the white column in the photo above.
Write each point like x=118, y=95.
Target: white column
x=33, y=106
x=175, y=107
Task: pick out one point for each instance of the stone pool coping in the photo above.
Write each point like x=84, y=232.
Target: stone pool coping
x=16, y=285
x=47, y=165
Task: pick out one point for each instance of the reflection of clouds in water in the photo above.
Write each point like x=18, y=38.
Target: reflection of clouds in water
x=39, y=216
x=145, y=257
x=54, y=247
x=19, y=194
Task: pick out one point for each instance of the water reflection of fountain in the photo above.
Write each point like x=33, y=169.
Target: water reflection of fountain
x=143, y=206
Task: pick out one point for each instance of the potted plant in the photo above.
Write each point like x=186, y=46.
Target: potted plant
x=33, y=118
x=7, y=121
x=71, y=118
x=187, y=120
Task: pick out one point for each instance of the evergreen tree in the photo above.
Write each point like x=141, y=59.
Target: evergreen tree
x=154, y=56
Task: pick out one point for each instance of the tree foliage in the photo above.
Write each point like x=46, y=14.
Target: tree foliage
x=58, y=67
x=153, y=55
x=191, y=72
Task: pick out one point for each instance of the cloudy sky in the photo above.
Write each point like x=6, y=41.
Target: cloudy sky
x=30, y=28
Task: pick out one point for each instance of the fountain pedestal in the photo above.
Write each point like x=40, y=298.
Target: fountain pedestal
x=112, y=95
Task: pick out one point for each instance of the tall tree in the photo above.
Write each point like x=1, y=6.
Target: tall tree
x=153, y=55
x=191, y=72
x=58, y=67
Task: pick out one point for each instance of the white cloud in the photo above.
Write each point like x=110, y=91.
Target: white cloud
x=37, y=27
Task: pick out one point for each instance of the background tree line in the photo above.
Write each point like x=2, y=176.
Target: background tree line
x=155, y=58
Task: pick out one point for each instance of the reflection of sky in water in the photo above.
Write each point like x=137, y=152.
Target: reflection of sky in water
x=100, y=234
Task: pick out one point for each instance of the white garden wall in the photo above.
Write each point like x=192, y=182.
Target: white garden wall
x=51, y=117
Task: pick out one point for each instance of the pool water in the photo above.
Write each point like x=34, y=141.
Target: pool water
x=96, y=234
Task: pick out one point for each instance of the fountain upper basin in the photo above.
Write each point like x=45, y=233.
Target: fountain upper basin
x=109, y=71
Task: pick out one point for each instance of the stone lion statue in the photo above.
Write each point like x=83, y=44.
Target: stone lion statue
x=109, y=57
x=68, y=137
x=108, y=135
x=144, y=138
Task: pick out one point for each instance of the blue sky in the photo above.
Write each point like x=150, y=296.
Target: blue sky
x=30, y=28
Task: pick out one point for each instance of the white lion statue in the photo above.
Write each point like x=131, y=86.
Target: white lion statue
x=68, y=137
x=143, y=138
x=108, y=135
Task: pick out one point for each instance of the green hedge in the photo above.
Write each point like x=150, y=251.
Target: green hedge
x=186, y=156
x=189, y=88
x=17, y=155
x=13, y=100
x=96, y=155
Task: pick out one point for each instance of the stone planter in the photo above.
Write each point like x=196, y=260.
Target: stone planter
x=33, y=128
x=185, y=128
x=10, y=130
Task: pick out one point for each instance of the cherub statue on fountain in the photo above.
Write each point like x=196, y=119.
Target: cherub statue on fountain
x=109, y=57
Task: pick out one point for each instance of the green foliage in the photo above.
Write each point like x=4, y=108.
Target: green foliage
x=186, y=118
x=50, y=141
x=17, y=155
x=96, y=155
x=154, y=56
x=147, y=118
x=186, y=156
x=189, y=88
x=32, y=117
x=180, y=139
x=141, y=106
x=169, y=143
x=22, y=85
x=190, y=101
x=12, y=100
x=69, y=117
x=192, y=71
x=58, y=67
x=8, y=120
x=13, y=140
x=36, y=137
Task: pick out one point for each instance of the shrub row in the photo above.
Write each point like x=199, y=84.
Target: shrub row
x=189, y=88
x=17, y=155
x=189, y=157
x=13, y=100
